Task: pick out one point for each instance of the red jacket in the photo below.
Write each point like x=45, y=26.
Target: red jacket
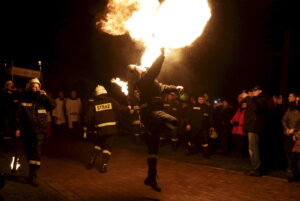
x=238, y=122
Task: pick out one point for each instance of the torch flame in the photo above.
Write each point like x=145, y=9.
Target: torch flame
x=122, y=84
x=17, y=163
x=172, y=24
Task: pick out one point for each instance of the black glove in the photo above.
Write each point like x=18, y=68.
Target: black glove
x=236, y=123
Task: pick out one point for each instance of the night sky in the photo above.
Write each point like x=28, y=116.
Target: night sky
x=242, y=46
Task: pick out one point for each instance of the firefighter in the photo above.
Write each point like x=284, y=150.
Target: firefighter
x=102, y=116
x=171, y=107
x=155, y=120
x=31, y=123
x=200, y=122
x=136, y=125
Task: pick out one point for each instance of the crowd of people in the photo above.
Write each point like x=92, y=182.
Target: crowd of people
x=264, y=128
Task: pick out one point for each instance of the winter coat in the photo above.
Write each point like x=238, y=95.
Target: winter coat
x=291, y=119
x=255, y=115
x=238, y=122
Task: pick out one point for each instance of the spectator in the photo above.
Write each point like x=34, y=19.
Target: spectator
x=59, y=112
x=291, y=127
x=253, y=126
x=239, y=137
x=73, y=109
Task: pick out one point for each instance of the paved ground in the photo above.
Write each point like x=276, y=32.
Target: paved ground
x=65, y=178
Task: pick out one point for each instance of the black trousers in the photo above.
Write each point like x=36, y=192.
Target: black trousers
x=33, y=147
x=199, y=137
x=156, y=123
x=292, y=157
x=104, y=143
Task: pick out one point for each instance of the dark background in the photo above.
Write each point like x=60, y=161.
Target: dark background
x=242, y=46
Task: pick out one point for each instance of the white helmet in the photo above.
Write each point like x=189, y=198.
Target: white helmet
x=35, y=80
x=100, y=90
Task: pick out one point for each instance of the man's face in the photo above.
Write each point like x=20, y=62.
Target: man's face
x=35, y=87
x=61, y=94
x=206, y=97
x=10, y=86
x=292, y=98
x=200, y=100
x=73, y=94
x=170, y=97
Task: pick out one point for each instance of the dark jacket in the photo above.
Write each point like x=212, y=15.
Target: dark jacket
x=255, y=114
x=150, y=89
x=291, y=119
x=102, y=115
x=8, y=109
x=200, y=116
x=32, y=113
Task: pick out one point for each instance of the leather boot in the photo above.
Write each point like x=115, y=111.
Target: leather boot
x=104, y=163
x=32, y=176
x=152, y=174
x=92, y=159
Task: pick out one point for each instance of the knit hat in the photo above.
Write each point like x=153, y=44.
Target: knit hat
x=35, y=81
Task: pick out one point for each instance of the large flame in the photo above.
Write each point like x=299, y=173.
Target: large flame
x=172, y=24
x=122, y=84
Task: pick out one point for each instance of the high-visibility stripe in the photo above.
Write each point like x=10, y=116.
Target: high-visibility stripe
x=105, y=151
x=42, y=111
x=91, y=100
x=174, y=139
x=205, y=114
x=196, y=108
x=152, y=156
x=26, y=104
x=162, y=138
x=136, y=122
x=205, y=145
x=144, y=105
x=136, y=107
x=190, y=144
x=33, y=162
x=175, y=109
x=167, y=105
x=107, y=124
x=97, y=147
x=171, y=126
x=137, y=134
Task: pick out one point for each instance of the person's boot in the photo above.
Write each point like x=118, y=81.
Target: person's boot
x=2, y=180
x=206, y=154
x=191, y=151
x=92, y=160
x=174, y=144
x=104, y=162
x=152, y=174
x=32, y=176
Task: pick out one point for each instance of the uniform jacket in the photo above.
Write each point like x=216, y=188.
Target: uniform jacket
x=255, y=115
x=200, y=116
x=32, y=113
x=102, y=114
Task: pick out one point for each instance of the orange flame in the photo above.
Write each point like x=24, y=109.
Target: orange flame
x=122, y=84
x=172, y=24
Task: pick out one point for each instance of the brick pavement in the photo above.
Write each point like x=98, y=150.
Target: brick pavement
x=65, y=178
x=180, y=181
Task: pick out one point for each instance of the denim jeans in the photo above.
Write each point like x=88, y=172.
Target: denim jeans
x=253, y=139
